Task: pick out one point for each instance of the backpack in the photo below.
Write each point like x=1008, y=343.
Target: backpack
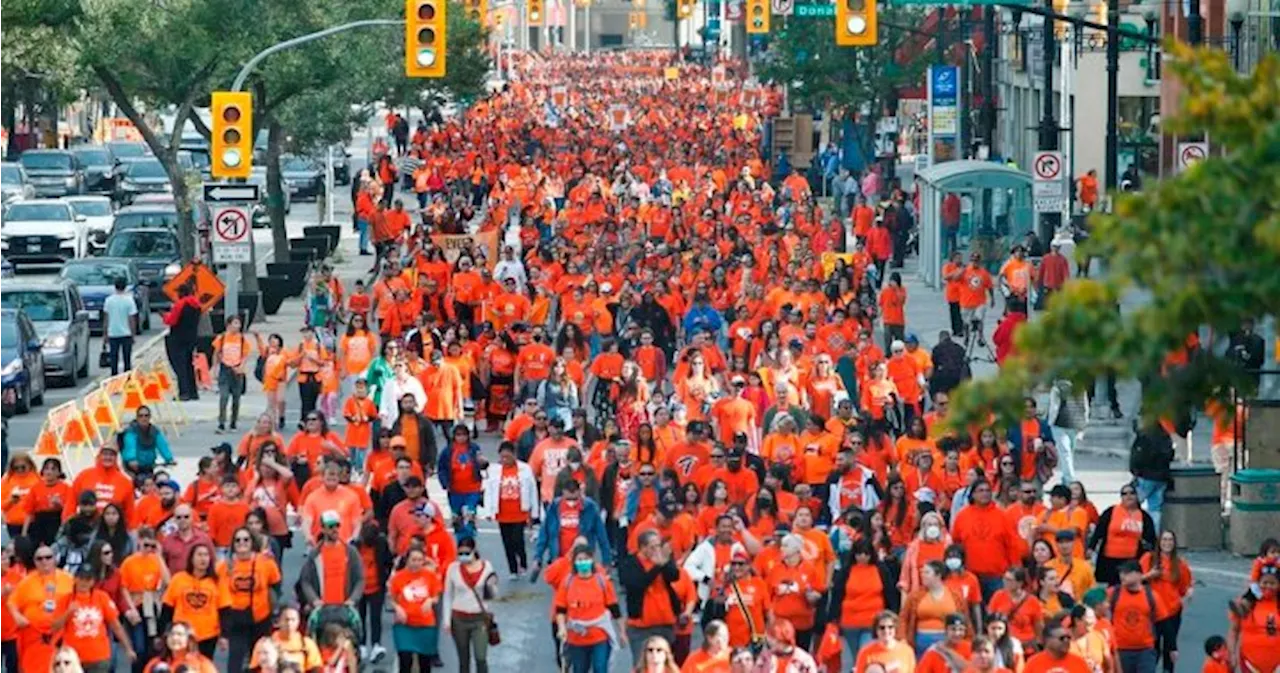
x=1151, y=603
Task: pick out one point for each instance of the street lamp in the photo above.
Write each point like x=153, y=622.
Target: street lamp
x=1236, y=10
x=1151, y=14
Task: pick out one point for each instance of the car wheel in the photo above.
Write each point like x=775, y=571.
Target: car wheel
x=23, y=402
x=83, y=371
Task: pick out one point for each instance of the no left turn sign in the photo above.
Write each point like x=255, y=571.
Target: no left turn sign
x=1191, y=152
x=1047, y=166
x=231, y=225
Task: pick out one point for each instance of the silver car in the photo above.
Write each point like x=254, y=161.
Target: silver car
x=61, y=321
x=14, y=183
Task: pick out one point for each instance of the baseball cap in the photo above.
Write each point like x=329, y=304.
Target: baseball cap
x=739, y=553
x=737, y=380
x=330, y=518
x=87, y=498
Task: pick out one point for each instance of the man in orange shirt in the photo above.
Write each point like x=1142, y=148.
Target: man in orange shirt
x=443, y=385
x=647, y=578
x=533, y=364
x=1056, y=657
x=976, y=290
x=952, y=272
x=509, y=307
x=227, y=514
x=1015, y=275
x=735, y=414
x=107, y=481
x=1138, y=615
x=333, y=496
x=88, y=614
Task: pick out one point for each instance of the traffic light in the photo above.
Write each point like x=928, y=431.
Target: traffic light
x=856, y=23
x=758, y=17
x=684, y=8
x=231, y=145
x=424, y=38
x=478, y=11
x=533, y=12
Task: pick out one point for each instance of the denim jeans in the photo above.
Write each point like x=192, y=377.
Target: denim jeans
x=1151, y=494
x=120, y=348
x=362, y=228
x=1138, y=661
x=856, y=639
x=925, y=640
x=588, y=658
x=1065, y=439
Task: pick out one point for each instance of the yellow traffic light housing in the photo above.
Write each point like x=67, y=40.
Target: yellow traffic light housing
x=534, y=12
x=684, y=8
x=856, y=24
x=231, y=144
x=425, y=35
x=758, y=17
x=478, y=11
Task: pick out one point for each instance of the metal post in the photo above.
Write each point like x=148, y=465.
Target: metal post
x=330, y=183
x=1195, y=31
x=1113, y=95
x=586, y=30
x=989, y=79
x=1049, y=222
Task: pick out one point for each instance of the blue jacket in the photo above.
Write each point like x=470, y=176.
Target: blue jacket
x=444, y=469
x=632, y=506
x=131, y=451
x=703, y=316
x=590, y=526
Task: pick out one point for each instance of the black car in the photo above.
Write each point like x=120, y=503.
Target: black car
x=142, y=176
x=101, y=168
x=341, y=164
x=155, y=252
x=53, y=172
x=125, y=150
x=304, y=176
x=21, y=363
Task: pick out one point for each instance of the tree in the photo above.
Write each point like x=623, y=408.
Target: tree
x=1204, y=245
x=855, y=81
x=150, y=56
x=37, y=66
x=467, y=61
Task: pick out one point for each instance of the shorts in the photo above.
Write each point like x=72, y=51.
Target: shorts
x=976, y=314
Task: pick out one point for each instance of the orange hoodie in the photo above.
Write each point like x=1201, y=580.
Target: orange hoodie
x=110, y=483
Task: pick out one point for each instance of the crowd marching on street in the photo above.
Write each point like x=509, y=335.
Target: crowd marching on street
x=721, y=446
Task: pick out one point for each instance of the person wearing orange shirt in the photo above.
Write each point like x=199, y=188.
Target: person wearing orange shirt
x=192, y=598
x=989, y=542
x=509, y=307
x=18, y=480
x=231, y=350
x=32, y=605
x=886, y=651
x=747, y=601
x=1015, y=276
x=796, y=586
x=952, y=653
x=585, y=600
x=893, y=306
x=443, y=385
x=976, y=290
x=648, y=578
x=460, y=471
x=92, y=615
x=414, y=590
x=1170, y=578
x=713, y=656
x=735, y=414
x=246, y=580
x=227, y=514
x=952, y=275
x=1056, y=657
x=1140, y=618
x=511, y=498
x=107, y=480
x=332, y=497
x=1088, y=190
x=533, y=365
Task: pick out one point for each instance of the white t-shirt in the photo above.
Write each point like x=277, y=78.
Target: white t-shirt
x=116, y=311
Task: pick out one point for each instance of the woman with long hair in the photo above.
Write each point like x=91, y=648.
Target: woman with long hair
x=249, y=580
x=886, y=650
x=414, y=590
x=292, y=646
x=1123, y=533
x=656, y=657
x=1008, y=651
x=930, y=544
x=558, y=394
x=470, y=588
x=313, y=441
x=376, y=556
x=1169, y=577
x=192, y=598
x=178, y=650
x=44, y=503
x=862, y=588
x=274, y=358
x=632, y=401
x=899, y=511
x=698, y=388
x=925, y=610
x=19, y=478
x=271, y=489
x=113, y=529
x=497, y=374
x=1020, y=608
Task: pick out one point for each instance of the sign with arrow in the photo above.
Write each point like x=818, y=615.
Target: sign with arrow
x=219, y=192
x=1050, y=189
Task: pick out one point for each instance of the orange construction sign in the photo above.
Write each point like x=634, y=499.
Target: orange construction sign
x=100, y=411
x=209, y=290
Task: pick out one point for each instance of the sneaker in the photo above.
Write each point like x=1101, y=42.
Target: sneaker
x=377, y=653
x=221, y=429
x=364, y=653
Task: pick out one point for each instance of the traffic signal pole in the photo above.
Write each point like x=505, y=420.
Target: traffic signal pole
x=232, y=300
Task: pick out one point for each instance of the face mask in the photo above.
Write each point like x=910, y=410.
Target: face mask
x=953, y=563
x=575, y=466
x=735, y=465
x=466, y=556
x=583, y=567
x=932, y=533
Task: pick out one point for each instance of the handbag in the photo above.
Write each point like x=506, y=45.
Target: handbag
x=104, y=356
x=490, y=624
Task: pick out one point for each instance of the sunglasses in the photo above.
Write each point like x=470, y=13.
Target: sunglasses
x=648, y=474
x=887, y=627
x=44, y=557
x=243, y=539
x=144, y=416
x=181, y=517
x=1128, y=492
x=717, y=456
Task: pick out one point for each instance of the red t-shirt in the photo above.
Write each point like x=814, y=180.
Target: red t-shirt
x=462, y=472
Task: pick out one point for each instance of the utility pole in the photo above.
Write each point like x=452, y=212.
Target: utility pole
x=1049, y=222
x=989, y=47
x=1113, y=95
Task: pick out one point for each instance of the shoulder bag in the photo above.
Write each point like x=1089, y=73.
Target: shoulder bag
x=491, y=624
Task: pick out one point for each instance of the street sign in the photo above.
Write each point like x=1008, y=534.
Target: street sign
x=232, y=242
x=1190, y=153
x=782, y=7
x=1049, y=192
x=233, y=193
x=208, y=288
x=805, y=11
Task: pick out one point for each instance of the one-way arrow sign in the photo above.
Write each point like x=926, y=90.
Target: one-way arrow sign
x=230, y=193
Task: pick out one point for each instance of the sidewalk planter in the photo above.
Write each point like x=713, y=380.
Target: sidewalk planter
x=1255, y=509
x=294, y=274
x=318, y=243
x=1193, y=507
x=248, y=303
x=303, y=255
x=332, y=232
x=274, y=290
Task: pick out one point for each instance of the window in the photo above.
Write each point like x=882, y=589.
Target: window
x=46, y=161
x=40, y=305
x=38, y=212
x=143, y=244
x=95, y=274
x=94, y=208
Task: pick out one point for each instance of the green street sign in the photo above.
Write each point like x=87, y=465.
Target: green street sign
x=814, y=11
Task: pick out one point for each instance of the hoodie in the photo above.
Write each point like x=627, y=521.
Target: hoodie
x=110, y=484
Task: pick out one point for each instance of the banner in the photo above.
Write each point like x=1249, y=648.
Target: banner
x=829, y=261
x=453, y=245
x=945, y=114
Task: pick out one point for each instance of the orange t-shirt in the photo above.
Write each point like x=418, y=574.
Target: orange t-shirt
x=1045, y=662
x=224, y=518
x=752, y=597
x=246, y=585
x=194, y=601
x=86, y=630
x=586, y=599
x=898, y=658
x=1022, y=615
x=893, y=305
x=509, y=509
x=140, y=572
x=974, y=285
x=411, y=589
x=1124, y=534
x=360, y=414
x=1132, y=624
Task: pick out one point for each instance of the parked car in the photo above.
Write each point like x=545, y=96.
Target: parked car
x=303, y=177
x=98, y=213
x=129, y=149
x=54, y=172
x=101, y=168
x=6, y=269
x=341, y=164
x=14, y=183
x=146, y=216
x=142, y=176
x=96, y=280
x=200, y=160
x=260, y=217
x=42, y=231
x=21, y=363
x=60, y=321
x=155, y=252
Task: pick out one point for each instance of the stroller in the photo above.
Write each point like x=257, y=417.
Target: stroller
x=332, y=622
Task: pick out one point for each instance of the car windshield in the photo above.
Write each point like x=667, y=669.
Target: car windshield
x=95, y=274
x=46, y=161
x=10, y=175
x=200, y=158
x=128, y=150
x=40, y=305
x=142, y=244
x=38, y=212
x=147, y=169
x=145, y=220
x=93, y=157
x=298, y=164
x=9, y=333
x=94, y=208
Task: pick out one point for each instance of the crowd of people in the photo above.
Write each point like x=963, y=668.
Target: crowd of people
x=707, y=402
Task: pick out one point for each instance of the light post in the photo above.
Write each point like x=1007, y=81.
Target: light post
x=1151, y=14
x=1113, y=94
x=1048, y=128
x=1236, y=10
